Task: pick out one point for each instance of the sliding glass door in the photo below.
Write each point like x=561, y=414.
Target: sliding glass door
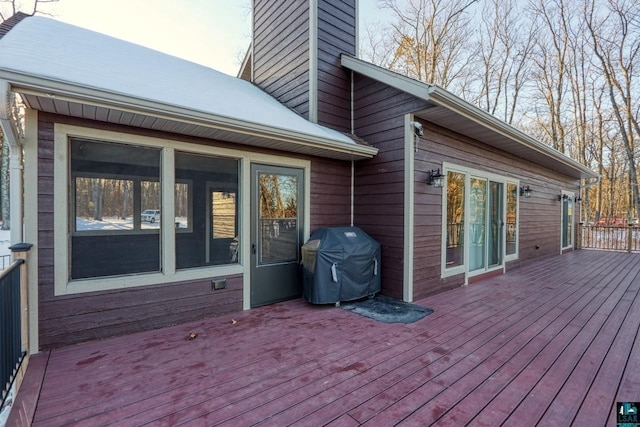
x=486, y=224
x=481, y=226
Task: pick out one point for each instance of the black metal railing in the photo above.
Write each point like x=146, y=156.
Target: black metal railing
x=610, y=238
x=11, y=352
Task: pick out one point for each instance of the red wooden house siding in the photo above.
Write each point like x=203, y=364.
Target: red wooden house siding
x=539, y=216
x=380, y=184
x=281, y=51
x=70, y=319
x=336, y=35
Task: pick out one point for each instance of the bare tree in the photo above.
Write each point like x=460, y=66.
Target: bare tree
x=430, y=38
x=9, y=8
x=615, y=36
x=504, y=44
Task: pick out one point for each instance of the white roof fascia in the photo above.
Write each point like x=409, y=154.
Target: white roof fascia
x=67, y=92
x=400, y=82
x=442, y=97
x=446, y=99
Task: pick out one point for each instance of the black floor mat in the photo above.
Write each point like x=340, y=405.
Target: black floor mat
x=388, y=310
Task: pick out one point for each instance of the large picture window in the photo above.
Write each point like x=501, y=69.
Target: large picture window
x=117, y=214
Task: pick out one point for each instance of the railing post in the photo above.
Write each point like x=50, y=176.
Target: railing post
x=21, y=251
x=629, y=237
x=580, y=235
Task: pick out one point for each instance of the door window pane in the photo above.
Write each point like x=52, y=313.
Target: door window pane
x=512, y=218
x=455, y=219
x=278, y=212
x=567, y=221
x=478, y=220
x=496, y=224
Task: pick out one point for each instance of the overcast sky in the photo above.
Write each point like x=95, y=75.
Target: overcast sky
x=215, y=33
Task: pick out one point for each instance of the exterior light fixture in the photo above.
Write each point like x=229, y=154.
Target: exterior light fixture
x=577, y=199
x=435, y=178
x=525, y=191
x=563, y=197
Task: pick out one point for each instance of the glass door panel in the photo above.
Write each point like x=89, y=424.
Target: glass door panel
x=276, y=233
x=567, y=221
x=455, y=219
x=512, y=219
x=477, y=224
x=496, y=223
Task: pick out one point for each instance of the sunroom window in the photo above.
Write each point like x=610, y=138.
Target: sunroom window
x=112, y=185
x=212, y=214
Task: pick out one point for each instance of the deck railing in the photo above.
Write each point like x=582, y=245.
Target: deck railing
x=12, y=352
x=609, y=238
x=5, y=260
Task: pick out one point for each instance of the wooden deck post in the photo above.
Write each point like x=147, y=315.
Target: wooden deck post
x=629, y=237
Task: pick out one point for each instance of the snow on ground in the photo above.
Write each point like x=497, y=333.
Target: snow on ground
x=116, y=223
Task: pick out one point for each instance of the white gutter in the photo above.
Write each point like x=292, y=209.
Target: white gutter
x=15, y=162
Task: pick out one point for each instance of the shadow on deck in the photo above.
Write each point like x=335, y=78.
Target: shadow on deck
x=555, y=342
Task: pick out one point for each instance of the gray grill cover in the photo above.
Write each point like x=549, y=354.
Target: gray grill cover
x=340, y=264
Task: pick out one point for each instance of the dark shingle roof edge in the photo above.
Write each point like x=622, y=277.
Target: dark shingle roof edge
x=11, y=22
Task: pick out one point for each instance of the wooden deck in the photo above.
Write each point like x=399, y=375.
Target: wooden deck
x=554, y=343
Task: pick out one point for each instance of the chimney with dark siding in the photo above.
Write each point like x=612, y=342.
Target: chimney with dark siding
x=296, y=56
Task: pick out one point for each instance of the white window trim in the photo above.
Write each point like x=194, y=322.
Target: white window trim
x=477, y=173
x=64, y=286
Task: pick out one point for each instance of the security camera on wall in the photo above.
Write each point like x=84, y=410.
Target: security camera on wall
x=417, y=128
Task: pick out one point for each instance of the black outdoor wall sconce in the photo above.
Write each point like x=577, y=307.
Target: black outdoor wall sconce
x=525, y=191
x=435, y=178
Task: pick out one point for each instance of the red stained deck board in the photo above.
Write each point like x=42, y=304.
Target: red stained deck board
x=475, y=359
x=572, y=344
x=323, y=415
x=600, y=391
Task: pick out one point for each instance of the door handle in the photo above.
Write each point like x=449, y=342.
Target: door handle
x=253, y=248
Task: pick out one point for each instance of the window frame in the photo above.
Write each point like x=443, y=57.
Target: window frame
x=169, y=274
x=470, y=173
x=137, y=229
x=64, y=180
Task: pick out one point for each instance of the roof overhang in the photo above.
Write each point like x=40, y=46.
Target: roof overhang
x=451, y=112
x=93, y=104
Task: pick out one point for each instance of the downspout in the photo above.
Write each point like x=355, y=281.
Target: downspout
x=15, y=162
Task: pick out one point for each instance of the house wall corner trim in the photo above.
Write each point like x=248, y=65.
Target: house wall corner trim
x=31, y=221
x=409, y=190
x=313, y=61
